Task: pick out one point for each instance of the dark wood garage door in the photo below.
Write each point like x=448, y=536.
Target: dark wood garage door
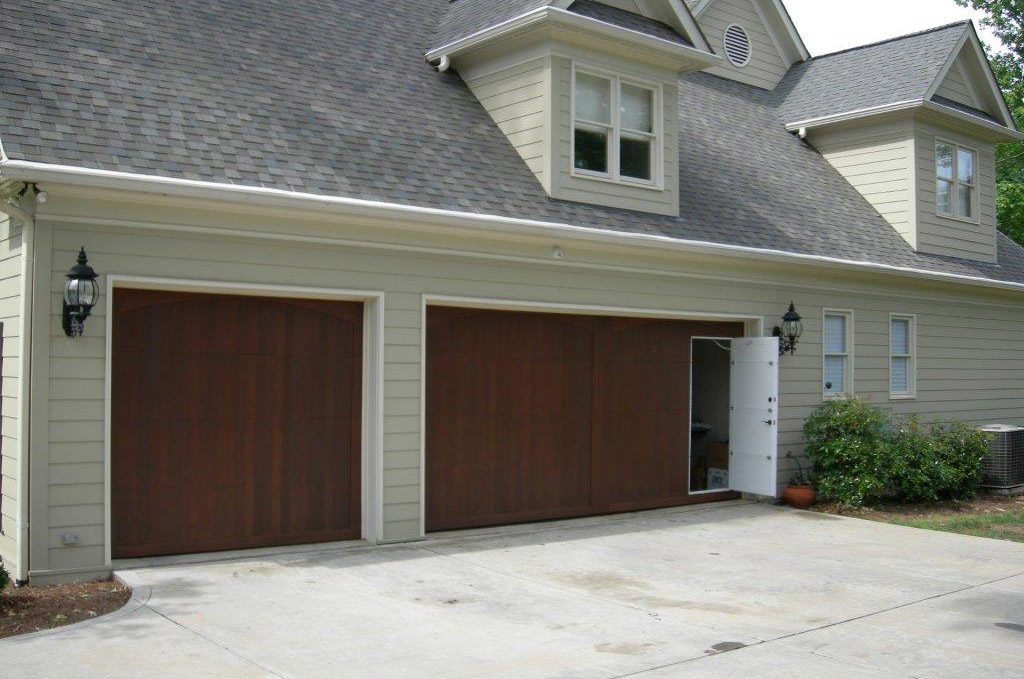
x=235, y=422
x=536, y=416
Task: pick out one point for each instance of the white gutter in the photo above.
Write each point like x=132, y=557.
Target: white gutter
x=854, y=114
x=170, y=186
x=24, y=380
x=561, y=16
x=907, y=105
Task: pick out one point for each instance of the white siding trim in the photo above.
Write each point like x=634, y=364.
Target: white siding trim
x=436, y=217
x=373, y=375
x=24, y=397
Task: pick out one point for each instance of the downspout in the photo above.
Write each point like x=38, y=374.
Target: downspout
x=16, y=212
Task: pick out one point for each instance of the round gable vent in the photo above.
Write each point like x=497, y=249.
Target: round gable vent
x=737, y=46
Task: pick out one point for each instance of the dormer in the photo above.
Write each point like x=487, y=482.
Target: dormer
x=915, y=136
x=756, y=39
x=586, y=91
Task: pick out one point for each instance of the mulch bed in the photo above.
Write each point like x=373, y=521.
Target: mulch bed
x=31, y=609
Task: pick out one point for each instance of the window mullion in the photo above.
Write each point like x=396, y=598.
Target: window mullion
x=614, y=150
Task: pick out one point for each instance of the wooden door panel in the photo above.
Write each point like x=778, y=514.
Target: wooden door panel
x=534, y=416
x=508, y=424
x=236, y=422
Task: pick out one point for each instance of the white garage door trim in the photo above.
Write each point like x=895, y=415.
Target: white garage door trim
x=754, y=328
x=373, y=375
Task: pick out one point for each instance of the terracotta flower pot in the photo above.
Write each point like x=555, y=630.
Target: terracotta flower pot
x=800, y=497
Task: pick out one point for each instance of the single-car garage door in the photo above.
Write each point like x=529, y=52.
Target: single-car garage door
x=235, y=422
x=534, y=416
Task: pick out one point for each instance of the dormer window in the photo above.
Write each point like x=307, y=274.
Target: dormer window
x=615, y=129
x=956, y=181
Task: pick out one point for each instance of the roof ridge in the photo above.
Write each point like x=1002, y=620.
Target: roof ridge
x=963, y=22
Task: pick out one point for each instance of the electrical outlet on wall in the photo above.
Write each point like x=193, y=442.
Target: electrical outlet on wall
x=70, y=539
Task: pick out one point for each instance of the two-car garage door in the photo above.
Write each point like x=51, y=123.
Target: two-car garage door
x=535, y=416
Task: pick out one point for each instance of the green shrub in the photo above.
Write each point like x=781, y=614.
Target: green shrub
x=4, y=579
x=961, y=450
x=860, y=457
x=845, y=441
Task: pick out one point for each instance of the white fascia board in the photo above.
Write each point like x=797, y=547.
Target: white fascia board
x=566, y=18
x=1011, y=134
x=855, y=114
x=267, y=197
x=910, y=104
x=794, y=34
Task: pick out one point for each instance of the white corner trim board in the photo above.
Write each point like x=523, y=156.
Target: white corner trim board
x=268, y=197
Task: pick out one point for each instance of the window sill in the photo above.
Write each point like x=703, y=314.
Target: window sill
x=607, y=179
x=902, y=397
x=975, y=222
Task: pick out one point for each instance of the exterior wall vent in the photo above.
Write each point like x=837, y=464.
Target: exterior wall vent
x=1004, y=465
x=737, y=46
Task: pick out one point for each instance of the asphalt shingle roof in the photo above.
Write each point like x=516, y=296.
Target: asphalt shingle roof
x=462, y=18
x=888, y=72
x=624, y=19
x=334, y=98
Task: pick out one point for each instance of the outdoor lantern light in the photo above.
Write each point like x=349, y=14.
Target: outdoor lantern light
x=790, y=332
x=80, y=295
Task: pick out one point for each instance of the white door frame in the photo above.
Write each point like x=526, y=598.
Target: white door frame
x=372, y=463
x=754, y=327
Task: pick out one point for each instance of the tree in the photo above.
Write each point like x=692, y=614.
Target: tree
x=1006, y=19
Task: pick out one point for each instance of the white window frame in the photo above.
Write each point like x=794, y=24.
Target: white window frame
x=955, y=182
x=911, y=392
x=849, y=355
x=615, y=131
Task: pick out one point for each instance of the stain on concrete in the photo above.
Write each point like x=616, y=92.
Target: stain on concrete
x=816, y=516
x=265, y=569
x=625, y=648
x=706, y=606
x=603, y=582
x=1011, y=626
x=725, y=647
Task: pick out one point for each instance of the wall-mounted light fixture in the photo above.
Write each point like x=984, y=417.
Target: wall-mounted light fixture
x=80, y=295
x=789, y=332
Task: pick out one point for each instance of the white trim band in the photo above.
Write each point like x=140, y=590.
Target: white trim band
x=268, y=197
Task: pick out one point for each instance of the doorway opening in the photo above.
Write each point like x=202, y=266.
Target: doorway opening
x=710, y=397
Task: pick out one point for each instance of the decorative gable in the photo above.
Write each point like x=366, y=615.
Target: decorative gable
x=756, y=39
x=956, y=86
x=966, y=80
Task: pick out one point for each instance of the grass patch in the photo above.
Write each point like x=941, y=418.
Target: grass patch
x=1009, y=526
x=989, y=516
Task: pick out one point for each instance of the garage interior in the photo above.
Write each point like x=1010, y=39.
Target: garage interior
x=709, y=448
x=533, y=415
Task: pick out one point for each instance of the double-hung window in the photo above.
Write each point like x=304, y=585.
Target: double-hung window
x=615, y=129
x=956, y=181
x=901, y=356
x=837, y=366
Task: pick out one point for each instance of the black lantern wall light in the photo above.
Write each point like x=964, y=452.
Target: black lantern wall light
x=80, y=295
x=789, y=332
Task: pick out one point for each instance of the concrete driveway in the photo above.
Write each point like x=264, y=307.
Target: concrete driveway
x=725, y=591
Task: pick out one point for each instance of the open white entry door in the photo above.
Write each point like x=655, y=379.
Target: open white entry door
x=754, y=415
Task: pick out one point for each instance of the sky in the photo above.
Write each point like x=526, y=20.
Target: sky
x=830, y=25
